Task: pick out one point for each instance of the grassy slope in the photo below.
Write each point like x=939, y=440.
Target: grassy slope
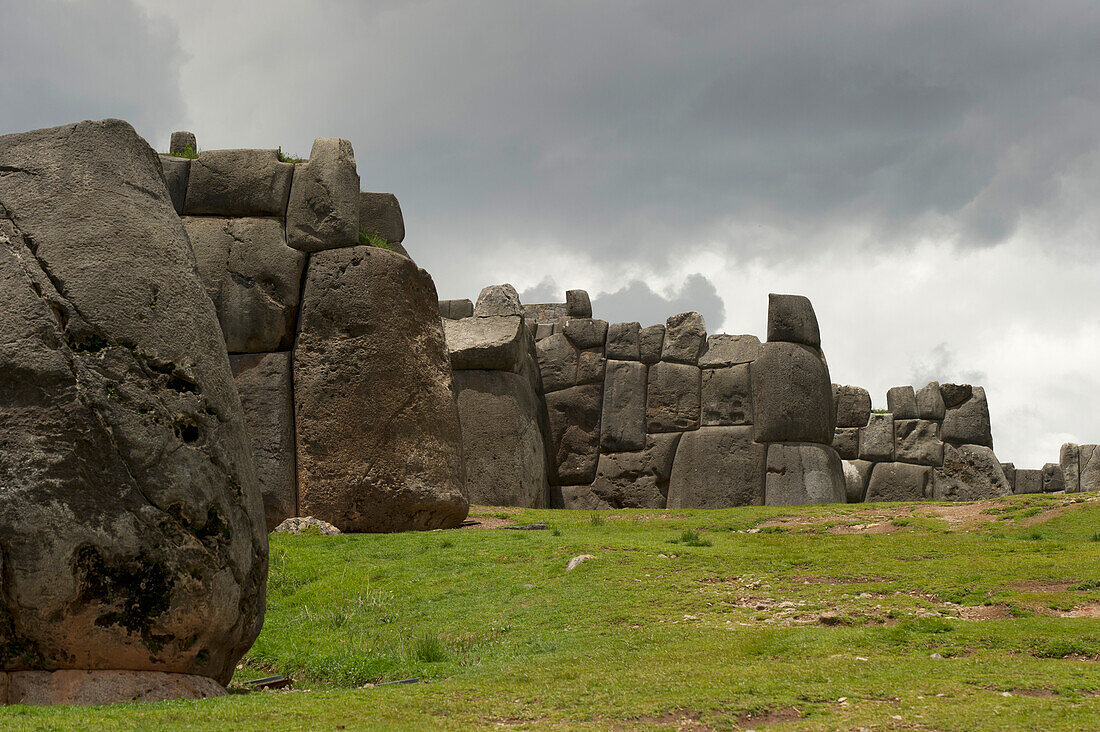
x=654, y=632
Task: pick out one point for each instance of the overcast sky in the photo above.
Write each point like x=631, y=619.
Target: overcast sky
x=928, y=173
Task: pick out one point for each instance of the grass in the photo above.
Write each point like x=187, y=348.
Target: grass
x=189, y=152
x=373, y=239
x=665, y=628
x=284, y=158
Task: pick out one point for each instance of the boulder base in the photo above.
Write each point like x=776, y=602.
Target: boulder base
x=93, y=688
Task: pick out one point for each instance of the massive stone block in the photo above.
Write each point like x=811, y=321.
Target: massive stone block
x=902, y=402
x=578, y=304
x=717, y=467
x=853, y=405
x=970, y=473
x=563, y=365
x=955, y=394
x=574, y=415
x=857, y=473
x=456, y=309
x=650, y=343
x=323, y=210
x=1069, y=458
x=1009, y=469
x=263, y=381
x=495, y=343
x=623, y=342
x=685, y=338
x=637, y=479
x=238, y=183
x=792, y=396
x=380, y=213
x=672, y=397
x=130, y=518
x=252, y=276
x=876, y=440
x=586, y=332
x=1028, y=481
x=791, y=319
x=917, y=441
x=729, y=350
x=498, y=300
x=930, y=404
x=846, y=442
x=1089, y=462
x=379, y=443
x=968, y=422
x=726, y=396
x=502, y=440
x=899, y=482
x=1052, y=478
x=176, y=172
x=623, y=425
x=800, y=474
x=183, y=142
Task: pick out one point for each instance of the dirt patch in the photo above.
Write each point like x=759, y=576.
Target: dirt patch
x=812, y=580
x=1082, y=611
x=768, y=718
x=1041, y=586
x=984, y=612
x=680, y=719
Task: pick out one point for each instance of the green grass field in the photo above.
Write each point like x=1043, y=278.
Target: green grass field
x=890, y=616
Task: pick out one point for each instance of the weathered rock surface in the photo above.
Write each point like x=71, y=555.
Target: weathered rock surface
x=876, y=440
x=263, y=382
x=651, y=341
x=380, y=213
x=563, y=365
x=1052, y=478
x=379, y=443
x=856, y=482
x=729, y=350
x=899, y=482
x=252, y=276
x=495, y=343
x=1028, y=481
x=1089, y=467
x=672, y=397
x=930, y=404
x=917, y=441
x=685, y=338
x=498, y=300
x=792, y=396
x=800, y=474
x=176, y=172
x=502, y=439
x=586, y=332
x=323, y=210
x=970, y=473
x=183, y=142
x=576, y=498
x=306, y=525
x=131, y=523
x=902, y=402
x=1009, y=469
x=578, y=304
x=238, y=183
x=623, y=342
x=968, y=423
x=717, y=467
x=93, y=688
x=637, y=479
x=955, y=394
x=846, y=442
x=1069, y=458
x=574, y=415
x=623, y=425
x=853, y=405
x=791, y=319
x=726, y=395
x=456, y=309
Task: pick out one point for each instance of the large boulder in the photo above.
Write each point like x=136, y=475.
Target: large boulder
x=578, y=304
x=792, y=396
x=130, y=519
x=586, y=332
x=804, y=473
x=637, y=479
x=853, y=405
x=726, y=395
x=930, y=404
x=623, y=425
x=1089, y=467
x=791, y=319
x=323, y=210
x=1028, y=481
x=902, y=402
x=1053, y=481
x=176, y=172
x=729, y=350
x=917, y=441
x=498, y=342
x=970, y=473
x=379, y=443
x=968, y=422
x=238, y=183
x=498, y=300
x=899, y=482
x=651, y=342
x=623, y=342
x=857, y=473
x=1069, y=458
x=502, y=439
x=252, y=276
x=574, y=444
x=672, y=397
x=717, y=467
x=563, y=365
x=876, y=440
x=685, y=338
x=380, y=213
x=264, y=383
x=846, y=442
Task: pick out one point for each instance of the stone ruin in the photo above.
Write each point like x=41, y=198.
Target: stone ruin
x=198, y=346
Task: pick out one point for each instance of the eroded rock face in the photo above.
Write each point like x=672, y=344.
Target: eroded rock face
x=131, y=526
x=238, y=183
x=717, y=467
x=636, y=479
x=379, y=442
x=899, y=482
x=803, y=474
x=323, y=209
x=792, y=396
x=970, y=473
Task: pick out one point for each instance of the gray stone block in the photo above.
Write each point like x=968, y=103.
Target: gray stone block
x=970, y=473
x=685, y=338
x=876, y=440
x=853, y=405
x=792, y=396
x=899, y=482
x=726, y=395
x=729, y=350
x=574, y=418
x=800, y=474
x=1028, y=481
x=456, y=309
x=495, y=343
x=637, y=479
x=238, y=183
x=380, y=213
x=623, y=424
x=623, y=342
x=650, y=343
x=1089, y=461
x=672, y=398
x=930, y=403
x=183, y=142
x=1052, y=478
x=955, y=394
x=576, y=498
x=1009, y=469
x=856, y=484
x=586, y=332
x=252, y=276
x=544, y=330
x=791, y=319
x=323, y=210
x=1069, y=459
x=902, y=402
x=717, y=467
x=578, y=304
x=968, y=423
x=176, y=173
x=846, y=442
x=917, y=441
x=498, y=300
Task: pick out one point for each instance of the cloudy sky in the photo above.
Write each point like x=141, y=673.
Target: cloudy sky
x=928, y=173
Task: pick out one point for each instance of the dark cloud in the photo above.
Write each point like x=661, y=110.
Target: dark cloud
x=63, y=62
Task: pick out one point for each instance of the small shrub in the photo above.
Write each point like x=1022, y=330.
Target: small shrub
x=555, y=532
x=691, y=538
x=1033, y=536
x=188, y=152
x=1095, y=537
x=373, y=239
x=597, y=519
x=284, y=158
x=428, y=648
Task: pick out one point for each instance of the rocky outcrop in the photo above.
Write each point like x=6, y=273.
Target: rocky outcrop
x=132, y=533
